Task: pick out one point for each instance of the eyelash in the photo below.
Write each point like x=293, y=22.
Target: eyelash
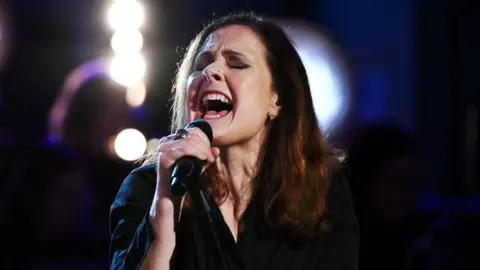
x=199, y=67
x=239, y=66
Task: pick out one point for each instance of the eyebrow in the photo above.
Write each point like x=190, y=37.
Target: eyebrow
x=234, y=53
x=228, y=52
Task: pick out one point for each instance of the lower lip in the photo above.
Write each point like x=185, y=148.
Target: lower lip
x=214, y=116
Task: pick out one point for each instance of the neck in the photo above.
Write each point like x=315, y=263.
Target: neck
x=237, y=165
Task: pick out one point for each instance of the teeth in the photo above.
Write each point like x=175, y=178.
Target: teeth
x=210, y=116
x=220, y=97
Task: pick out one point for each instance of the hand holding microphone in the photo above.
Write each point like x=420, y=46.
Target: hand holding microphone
x=187, y=169
x=179, y=155
x=182, y=152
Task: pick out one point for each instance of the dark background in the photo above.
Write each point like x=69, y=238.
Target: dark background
x=415, y=68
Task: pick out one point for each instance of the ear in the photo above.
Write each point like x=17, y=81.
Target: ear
x=275, y=106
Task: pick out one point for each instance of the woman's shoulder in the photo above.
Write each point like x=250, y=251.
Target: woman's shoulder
x=338, y=180
x=337, y=247
x=146, y=171
x=339, y=197
x=144, y=176
x=138, y=186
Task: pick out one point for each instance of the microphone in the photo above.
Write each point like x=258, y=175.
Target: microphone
x=187, y=169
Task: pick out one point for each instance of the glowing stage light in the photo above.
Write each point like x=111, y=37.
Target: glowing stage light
x=126, y=14
x=128, y=69
x=130, y=144
x=135, y=95
x=127, y=40
x=327, y=73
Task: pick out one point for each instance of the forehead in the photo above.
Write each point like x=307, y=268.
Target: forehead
x=238, y=38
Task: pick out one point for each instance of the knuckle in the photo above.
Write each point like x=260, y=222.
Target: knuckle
x=190, y=141
x=175, y=150
x=162, y=147
x=195, y=152
x=196, y=140
x=165, y=139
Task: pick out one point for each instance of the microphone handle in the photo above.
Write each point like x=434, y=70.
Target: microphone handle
x=186, y=172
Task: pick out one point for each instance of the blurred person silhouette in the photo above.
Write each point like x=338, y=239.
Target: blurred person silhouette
x=96, y=114
x=52, y=215
x=98, y=111
x=386, y=184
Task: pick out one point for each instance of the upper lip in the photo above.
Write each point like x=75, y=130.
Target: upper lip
x=206, y=92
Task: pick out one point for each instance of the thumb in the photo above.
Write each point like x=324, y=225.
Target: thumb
x=215, y=152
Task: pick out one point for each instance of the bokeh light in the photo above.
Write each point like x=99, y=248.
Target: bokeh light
x=130, y=144
x=127, y=40
x=128, y=69
x=327, y=73
x=126, y=14
x=136, y=94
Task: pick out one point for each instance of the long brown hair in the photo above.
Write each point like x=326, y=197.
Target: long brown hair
x=295, y=163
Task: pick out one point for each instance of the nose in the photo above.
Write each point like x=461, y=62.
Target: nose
x=212, y=74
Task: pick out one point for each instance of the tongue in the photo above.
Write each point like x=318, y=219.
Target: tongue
x=221, y=113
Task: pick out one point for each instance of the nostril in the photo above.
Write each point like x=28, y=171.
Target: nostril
x=212, y=75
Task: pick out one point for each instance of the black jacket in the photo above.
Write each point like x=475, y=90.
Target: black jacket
x=258, y=247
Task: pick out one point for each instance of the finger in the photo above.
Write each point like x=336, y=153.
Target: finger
x=187, y=147
x=198, y=132
x=166, y=138
x=166, y=146
x=197, y=147
x=194, y=141
x=205, y=148
x=188, y=150
x=215, y=152
x=169, y=158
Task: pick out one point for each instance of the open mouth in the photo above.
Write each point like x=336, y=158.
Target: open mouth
x=215, y=105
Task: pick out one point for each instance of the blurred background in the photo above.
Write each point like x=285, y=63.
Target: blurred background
x=85, y=88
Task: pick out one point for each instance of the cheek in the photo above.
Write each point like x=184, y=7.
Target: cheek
x=193, y=84
x=254, y=94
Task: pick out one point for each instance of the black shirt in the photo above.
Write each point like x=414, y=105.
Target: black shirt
x=258, y=246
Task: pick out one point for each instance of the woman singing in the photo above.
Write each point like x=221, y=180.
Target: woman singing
x=280, y=200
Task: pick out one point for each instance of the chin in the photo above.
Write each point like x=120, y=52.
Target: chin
x=225, y=137
x=221, y=139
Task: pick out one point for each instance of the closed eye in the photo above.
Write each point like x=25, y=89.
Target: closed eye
x=239, y=66
x=236, y=61
x=201, y=65
x=233, y=59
